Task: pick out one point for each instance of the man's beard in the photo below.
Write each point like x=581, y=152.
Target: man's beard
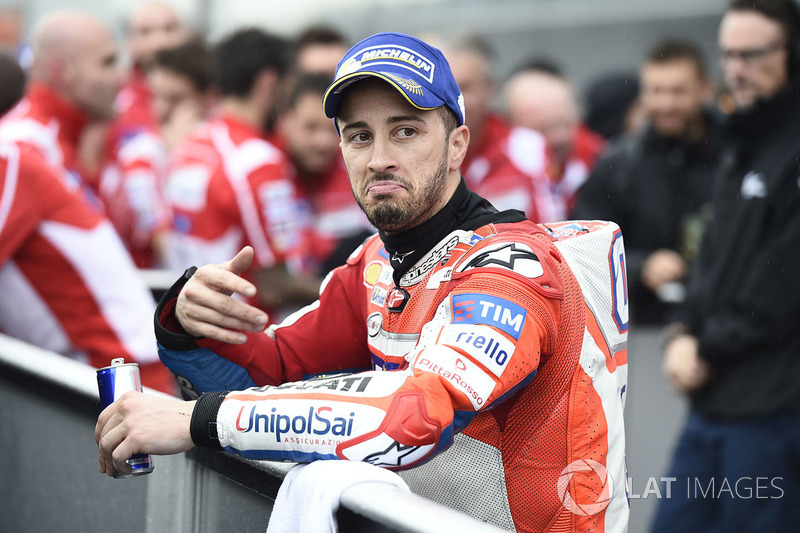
x=396, y=216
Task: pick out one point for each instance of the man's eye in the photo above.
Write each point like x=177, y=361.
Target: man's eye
x=359, y=138
x=406, y=132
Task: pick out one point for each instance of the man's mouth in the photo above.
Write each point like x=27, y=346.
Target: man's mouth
x=384, y=187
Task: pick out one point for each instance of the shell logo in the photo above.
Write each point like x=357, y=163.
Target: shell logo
x=372, y=273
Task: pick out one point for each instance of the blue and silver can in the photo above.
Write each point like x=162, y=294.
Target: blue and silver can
x=114, y=381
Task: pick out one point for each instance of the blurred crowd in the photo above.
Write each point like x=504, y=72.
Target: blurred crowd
x=199, y=149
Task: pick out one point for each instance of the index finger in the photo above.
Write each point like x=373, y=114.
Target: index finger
x=222, y=280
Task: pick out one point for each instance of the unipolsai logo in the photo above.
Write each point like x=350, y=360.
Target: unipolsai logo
x=581, y=498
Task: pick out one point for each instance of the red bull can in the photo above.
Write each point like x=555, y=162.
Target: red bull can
x=114, y=381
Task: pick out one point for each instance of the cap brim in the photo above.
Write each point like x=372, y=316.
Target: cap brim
x=333, y=96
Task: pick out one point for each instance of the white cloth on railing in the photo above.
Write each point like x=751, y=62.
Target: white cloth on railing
x=309, y=496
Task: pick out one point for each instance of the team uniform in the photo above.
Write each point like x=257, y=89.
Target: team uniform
x=132, y=178
x=228, y=186
x=509, y=168
x=68, y=285
x=53, y=126
x=131, y=190
x=491, y=374
x=134, y=111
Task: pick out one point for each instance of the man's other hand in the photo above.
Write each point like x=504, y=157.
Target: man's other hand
x=205, y=307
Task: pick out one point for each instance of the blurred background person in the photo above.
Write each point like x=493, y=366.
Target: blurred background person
x=228, y=186
x=69, y=284
x=134, y=156
x=13, y=85
x=151, y=26
x=734, y=349
x=613, y=107
x=181, y=80
x=656, y=184
x=336, y=223
x=506, y=167
x=539, y=97
x=74, y=79
x=317, y=50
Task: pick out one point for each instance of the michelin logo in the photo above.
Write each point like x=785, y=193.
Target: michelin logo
x=389, y=55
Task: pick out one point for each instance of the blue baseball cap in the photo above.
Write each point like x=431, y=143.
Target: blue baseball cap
x=416, y=69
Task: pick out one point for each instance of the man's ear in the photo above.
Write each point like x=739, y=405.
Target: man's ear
x=459, y=142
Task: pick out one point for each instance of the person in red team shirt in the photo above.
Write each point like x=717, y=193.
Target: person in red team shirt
x=59, y=293
x=227, y=185
x=152, y=26
x=337, y=224
x=506, y=166
x=490, y=350
x=184, y=90
x=73, y=79
x=131, y=185
x=135, y=156
x=540, y=98
x=95, y=305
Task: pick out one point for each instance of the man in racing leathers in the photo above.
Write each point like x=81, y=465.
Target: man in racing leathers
x=480, y=360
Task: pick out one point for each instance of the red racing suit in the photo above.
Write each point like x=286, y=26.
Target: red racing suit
x=68, y=284
x=494, y=377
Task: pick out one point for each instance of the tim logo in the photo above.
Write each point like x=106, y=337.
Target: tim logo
x=489, y=310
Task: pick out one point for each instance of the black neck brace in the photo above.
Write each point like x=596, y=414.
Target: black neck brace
x=465, y=210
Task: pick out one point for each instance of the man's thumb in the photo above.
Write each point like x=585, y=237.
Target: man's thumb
x=241, y=262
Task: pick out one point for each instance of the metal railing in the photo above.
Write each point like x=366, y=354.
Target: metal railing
x=50, y=478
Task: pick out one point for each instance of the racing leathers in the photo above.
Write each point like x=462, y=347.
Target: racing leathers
x=483, y=350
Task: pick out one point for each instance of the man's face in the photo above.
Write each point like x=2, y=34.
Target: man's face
x=154, y=27
x=170, y=91
x=310, y=136
x=398, y=157
x=673, y=94
x=472, y=75
x=94, y=78
x=545, y=104
x=753, y=55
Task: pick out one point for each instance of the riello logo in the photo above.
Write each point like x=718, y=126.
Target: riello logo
x=318, y=421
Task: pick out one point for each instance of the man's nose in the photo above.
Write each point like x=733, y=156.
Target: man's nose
x=382, y=159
